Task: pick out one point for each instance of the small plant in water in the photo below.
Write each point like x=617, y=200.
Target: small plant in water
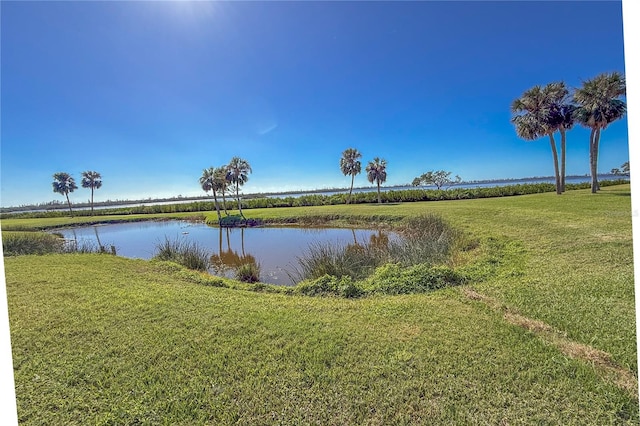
x=248, y=273
x=184, y=253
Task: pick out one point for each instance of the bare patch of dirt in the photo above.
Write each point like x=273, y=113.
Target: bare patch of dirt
x=601, y=360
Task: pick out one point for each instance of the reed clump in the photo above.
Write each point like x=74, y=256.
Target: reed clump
x=16, y=243
x=415, y=260
x=185, y=253
x=248, y=273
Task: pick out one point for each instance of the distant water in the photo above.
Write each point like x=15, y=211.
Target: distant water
x=482, y=184
x=464, y=185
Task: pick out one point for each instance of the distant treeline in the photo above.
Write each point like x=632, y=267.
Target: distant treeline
x=56, y=204
x=391, y=196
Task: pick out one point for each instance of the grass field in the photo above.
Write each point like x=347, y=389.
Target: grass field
x=548, y=337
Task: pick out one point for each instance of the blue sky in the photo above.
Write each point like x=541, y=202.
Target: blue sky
x=150, y=93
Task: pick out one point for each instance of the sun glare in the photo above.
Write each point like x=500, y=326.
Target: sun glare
x=192, y=12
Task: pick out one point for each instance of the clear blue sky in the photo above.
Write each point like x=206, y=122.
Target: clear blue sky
x=150, y=93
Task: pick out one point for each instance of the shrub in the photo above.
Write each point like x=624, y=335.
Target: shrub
x=237, y=220
x=393, y=278
x=329, y=285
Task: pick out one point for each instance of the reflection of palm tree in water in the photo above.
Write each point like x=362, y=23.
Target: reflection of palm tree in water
x=101, y=248
x=356, y=246
x=229, y=259
x=95, y=228
x=376, y=242
x=380, y=241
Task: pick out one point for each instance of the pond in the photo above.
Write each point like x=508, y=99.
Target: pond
x=276, y=250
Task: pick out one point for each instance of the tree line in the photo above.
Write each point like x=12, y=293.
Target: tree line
x=545, y=111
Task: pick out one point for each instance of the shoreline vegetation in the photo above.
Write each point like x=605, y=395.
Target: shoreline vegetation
x=539, y=324
x=56, y=204
x=388, y=197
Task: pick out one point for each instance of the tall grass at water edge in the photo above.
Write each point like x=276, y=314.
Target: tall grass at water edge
x=17, y=243
x=422, y=250
x=184, y=253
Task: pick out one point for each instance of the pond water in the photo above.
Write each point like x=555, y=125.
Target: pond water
x=276, y=250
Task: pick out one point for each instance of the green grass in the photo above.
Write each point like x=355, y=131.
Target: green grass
x=105, y=340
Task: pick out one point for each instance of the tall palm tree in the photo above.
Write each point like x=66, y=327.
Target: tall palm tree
x=238, y=174
x=541, y=111
x=64, y=184
x=207, y=182
x=350, y=165
x=377, y=172
x=561, y=118
x=91, y=180
x=220, y=183
x=598, y=106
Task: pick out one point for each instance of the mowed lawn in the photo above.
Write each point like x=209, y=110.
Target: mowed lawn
x=547, y=337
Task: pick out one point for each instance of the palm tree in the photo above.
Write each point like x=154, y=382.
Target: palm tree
x=91, y=180
x=561, y=118
x=542, y=111
x=238, y=174
x=207, y=182
x=377, y=171
x=220, y=184
x=599, y=106
x=350, y=165
x=64, y=184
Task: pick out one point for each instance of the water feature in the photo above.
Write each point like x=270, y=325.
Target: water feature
x=276, y=249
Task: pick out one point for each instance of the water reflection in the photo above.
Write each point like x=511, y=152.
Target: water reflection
x=229, y=260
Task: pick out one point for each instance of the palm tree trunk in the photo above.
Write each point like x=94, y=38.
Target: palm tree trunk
x=215, y=200
x=92, y=201
x=69, y=202
x=95, y=229
x=224, y=201
x=563, y=158
x=238, y=198
x=379, y=200
x=351, y=189
x=554, y=151
x=596, y=145
x=592, y=163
